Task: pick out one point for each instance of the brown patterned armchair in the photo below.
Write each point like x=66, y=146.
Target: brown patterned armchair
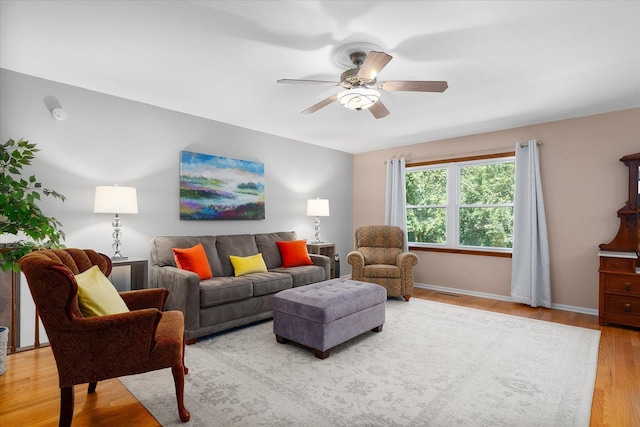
x=379, y=257
x=91, y=349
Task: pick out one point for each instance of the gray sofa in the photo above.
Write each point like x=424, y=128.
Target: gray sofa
x=225, y=301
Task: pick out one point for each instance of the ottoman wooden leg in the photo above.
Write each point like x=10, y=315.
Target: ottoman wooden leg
x=281, y=340
x=321, y=354
x=377, y=329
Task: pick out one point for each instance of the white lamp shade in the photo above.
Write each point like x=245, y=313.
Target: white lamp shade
x=318, y=207
x=115, y=199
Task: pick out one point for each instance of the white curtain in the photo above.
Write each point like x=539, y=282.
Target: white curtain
x=395, y=207
x=530, y=276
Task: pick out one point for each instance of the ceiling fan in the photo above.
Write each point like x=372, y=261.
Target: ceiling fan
x=362, y=88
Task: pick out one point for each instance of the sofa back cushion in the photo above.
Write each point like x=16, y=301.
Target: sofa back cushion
x=267, y=246
x=162, y=250
x=241, y=245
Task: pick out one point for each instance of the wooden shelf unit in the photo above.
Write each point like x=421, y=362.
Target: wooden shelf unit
x=619, y=264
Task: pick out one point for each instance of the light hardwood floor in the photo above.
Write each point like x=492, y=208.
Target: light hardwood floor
x=29, y=394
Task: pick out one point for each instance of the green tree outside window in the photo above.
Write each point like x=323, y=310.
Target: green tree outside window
x=479, y=210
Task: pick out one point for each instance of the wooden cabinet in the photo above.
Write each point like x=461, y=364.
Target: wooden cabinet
x=619, y=265
x=619, y=288
x=326, y=249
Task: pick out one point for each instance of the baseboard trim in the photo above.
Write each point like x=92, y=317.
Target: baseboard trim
x=563, y=307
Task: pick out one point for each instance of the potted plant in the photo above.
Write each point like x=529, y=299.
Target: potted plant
x=20, y=216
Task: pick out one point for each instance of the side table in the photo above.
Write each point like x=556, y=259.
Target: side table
x=139, y=271
x=326, y=249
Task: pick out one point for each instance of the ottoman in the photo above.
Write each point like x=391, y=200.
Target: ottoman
x=325, y=314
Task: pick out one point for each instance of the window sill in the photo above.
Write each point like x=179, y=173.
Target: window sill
x=462, y=251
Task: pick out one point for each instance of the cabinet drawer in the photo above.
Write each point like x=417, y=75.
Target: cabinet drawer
x=618, y=264
x=622, y=284
x=621, y=305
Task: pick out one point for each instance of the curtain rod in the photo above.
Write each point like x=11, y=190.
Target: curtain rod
x=526, y=144
x=471, y=153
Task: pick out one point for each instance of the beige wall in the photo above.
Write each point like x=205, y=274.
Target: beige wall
x=584, y=184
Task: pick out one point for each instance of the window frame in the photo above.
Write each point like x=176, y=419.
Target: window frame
x=453, y=167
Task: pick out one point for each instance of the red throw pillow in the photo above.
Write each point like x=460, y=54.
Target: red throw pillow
x=193, y=259
x=294, y=253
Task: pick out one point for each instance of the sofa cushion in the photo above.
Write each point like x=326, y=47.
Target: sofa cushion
x=304, y=274
x=269, y=283
x=221, y=290
x=237, y=245
x=247, y=264
x=294, y=253
x=162, y=250
x=382, y=270
x=266, y=243
x=193, y=259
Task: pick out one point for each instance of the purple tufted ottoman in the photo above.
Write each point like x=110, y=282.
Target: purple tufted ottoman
x=325, y=314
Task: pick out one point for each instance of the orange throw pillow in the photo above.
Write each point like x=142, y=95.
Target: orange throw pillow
x=193, y=259
x=294, y=253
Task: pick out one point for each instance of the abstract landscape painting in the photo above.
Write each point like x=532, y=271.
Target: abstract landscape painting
x=213, y=187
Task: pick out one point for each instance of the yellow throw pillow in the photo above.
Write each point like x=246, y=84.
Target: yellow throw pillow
x=97, y=296
x=250, y=264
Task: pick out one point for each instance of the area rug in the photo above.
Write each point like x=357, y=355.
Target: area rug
x=433, y=364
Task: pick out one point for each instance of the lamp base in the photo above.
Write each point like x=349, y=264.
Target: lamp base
x=119, y=258
x=317, y=227
x=117, y=224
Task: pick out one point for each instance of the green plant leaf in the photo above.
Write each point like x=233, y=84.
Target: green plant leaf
x=18, y=204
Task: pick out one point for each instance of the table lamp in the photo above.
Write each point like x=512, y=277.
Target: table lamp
x=317, y=207
x=116, y=200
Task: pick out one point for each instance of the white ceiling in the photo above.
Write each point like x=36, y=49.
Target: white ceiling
x=508, y=64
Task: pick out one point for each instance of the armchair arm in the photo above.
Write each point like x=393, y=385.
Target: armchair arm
x=406, y=261
x=145, y=298
x=356, y=259
x=324, y=262
x=101, y=347
x=184, y=292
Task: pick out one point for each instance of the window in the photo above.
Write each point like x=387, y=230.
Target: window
x=462, y=204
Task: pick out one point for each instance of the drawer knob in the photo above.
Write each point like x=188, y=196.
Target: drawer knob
x=627, y=286
x=627, y=308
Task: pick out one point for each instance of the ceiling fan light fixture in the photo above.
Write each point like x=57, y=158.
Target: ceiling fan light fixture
x=358, y=98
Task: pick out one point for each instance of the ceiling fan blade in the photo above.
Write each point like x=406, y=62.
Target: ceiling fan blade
x=379, y=110
x=312, y=82
x=415, y=86
x=320, y=104
x=373, y=64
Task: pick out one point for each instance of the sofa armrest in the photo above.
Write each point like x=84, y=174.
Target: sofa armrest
x=184, y=292
x=356, y=259
x=324, y=262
